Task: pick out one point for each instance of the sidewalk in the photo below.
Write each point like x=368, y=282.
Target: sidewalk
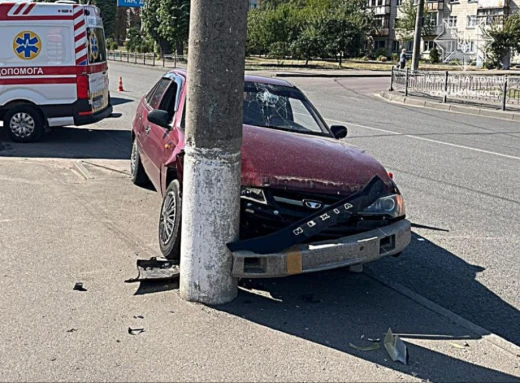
x=290, y=329
x=456, y=106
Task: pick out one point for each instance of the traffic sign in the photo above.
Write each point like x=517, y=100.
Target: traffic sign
x=130, y=3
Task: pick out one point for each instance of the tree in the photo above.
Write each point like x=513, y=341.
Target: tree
x=343, y=38
x=405, y=27
x=309, y=44
x=152, y=22
x=108, y=10
x=503, y=38
x=174, y=22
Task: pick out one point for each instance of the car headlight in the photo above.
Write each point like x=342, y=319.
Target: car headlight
x=392, y=205
x=253, y=194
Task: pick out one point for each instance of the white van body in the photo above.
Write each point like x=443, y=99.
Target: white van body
x=53, y=68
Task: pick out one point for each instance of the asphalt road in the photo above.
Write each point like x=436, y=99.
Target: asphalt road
x=68, y=213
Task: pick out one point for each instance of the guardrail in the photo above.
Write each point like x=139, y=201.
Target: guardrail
x=166, y=61
x=496, y=90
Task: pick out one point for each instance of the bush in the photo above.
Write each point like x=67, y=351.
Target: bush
x=435, y=57
x=395, y=57
x=365, y=58
x=382, y=58
x=278, y=50
x=381, y=52
x=137, y=42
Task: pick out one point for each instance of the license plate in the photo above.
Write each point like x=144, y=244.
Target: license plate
x=98, y=103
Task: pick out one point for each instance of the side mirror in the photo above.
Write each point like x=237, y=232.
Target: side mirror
x=339, y=131
x=161, y=118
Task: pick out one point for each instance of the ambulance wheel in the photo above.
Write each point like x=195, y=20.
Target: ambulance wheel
x=137, y=172
x=24, y=123
x=170, y=223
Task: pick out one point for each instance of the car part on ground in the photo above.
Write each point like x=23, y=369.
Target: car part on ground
x=155, y=270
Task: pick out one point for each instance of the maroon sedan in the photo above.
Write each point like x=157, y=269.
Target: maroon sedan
x=309, y=200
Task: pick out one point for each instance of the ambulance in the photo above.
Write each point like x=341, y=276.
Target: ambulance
x=53, y=67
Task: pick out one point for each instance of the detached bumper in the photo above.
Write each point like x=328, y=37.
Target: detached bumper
x=347, y=251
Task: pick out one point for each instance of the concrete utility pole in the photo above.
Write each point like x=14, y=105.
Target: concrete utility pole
x=417, y=39
x=212, y=163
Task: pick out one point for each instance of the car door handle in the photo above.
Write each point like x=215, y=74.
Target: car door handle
x=148, y=129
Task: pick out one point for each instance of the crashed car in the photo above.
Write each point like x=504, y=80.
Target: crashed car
x=309, y=200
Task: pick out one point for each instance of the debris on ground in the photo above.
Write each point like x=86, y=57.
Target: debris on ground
x=376, y=340
x=72, y=330
x=155, y=269
x=396, y=347
x=372, y=347
x=79, y=287
x=460, y=346
x=138, y=317
x=135, y=331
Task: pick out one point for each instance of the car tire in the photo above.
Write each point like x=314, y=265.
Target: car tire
x=137, y=171
x=170, y=223
x=24, y=123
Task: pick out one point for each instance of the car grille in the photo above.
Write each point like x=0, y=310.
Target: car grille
x=287, y=207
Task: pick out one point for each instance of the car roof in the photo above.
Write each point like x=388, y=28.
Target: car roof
x=248, y=78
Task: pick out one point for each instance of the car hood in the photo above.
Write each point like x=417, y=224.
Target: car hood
x=279, y=159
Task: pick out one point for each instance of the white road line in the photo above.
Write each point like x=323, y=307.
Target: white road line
x=427, y=139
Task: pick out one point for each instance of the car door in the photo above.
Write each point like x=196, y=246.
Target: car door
x=161, y=141
x=152, y=102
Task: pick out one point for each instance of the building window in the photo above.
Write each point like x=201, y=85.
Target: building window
x=452, y=21
x=399, y=3
x=429, y=45
x=431, y=20
x=382, y=21
x=395, y=46
x=471, y=21
x=380, y=44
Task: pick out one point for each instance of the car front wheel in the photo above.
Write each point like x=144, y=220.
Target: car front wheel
x=24, y=123
x=170, y=223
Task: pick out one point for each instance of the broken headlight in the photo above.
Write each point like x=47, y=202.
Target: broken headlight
x=392, y=205
x=253, y=194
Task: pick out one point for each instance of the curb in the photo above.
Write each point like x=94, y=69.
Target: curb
x=486, y=335
x=414, y=101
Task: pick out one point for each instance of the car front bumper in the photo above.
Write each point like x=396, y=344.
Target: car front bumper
x=346, y=251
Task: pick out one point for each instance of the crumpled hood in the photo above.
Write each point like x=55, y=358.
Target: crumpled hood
x=303, y=162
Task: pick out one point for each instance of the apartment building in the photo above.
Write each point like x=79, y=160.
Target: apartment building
x=253, y=4
x=454, y=26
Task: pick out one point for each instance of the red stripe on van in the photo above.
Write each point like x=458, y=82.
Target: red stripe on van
x=37, y=81
x=79, y=25
x=29, y=9
x=19, y=9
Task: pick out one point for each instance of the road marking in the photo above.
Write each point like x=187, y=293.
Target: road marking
x=427, y=139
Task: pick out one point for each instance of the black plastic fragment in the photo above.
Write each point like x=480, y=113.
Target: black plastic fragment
x=79, y=287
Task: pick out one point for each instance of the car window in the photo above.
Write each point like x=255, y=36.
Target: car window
x=280, y=107
x=156, y=97
x=169, y=100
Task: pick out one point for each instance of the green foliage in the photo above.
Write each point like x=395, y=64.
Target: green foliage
x=405, y=26
x=382, y=58
x=108, y=10
x=111, y=44
x=503, y=38
x=137, y=42
x=174, y=22
x=150, y=17
x=395, y=57
x=309, y=28
x=435, y=56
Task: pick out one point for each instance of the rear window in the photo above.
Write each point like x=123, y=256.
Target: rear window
x=97, y=52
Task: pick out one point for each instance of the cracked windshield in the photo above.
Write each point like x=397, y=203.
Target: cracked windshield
x=280, y=107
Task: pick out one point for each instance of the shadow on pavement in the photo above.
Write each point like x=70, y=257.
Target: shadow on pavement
x=451, y=282
x=68, y=142
x=335, y=308
x=120, y=101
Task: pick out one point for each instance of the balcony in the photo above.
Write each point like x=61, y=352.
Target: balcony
x=435, y=5
x=382, y=10
x=435, y=30
x=382, y=32
x=492, y=4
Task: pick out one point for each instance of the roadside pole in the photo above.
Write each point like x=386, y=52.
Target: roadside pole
x=417, y=38
x=212, y=162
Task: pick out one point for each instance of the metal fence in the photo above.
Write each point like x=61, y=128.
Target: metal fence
x=167, y=61
x=500, y=91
